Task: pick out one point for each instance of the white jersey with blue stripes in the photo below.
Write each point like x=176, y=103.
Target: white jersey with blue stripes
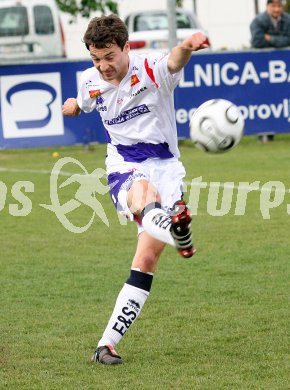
x=138, y=114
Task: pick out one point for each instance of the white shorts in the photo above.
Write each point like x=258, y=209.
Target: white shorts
x=166, y=175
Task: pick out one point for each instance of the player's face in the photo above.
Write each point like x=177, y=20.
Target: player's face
x=111, y=62
x=275, y=9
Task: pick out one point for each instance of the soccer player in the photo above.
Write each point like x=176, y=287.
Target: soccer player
x=134, y=96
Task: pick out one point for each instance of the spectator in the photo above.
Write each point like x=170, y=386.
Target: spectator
x=272, y=27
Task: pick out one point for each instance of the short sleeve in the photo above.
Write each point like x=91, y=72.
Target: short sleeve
x=85, y=102
x=157, y=69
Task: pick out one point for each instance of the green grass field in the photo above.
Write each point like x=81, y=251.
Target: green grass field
x=218, y=321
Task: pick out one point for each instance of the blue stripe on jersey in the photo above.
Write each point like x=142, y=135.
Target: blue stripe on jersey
x=141, y=151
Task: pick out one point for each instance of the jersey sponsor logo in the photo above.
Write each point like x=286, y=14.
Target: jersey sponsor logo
x=138, y=91
x=134, y=80
x=100, y=103
x=100, y=100
x=128, y=114
x=102, y=108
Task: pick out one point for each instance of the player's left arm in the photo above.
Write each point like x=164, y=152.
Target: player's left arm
x=180, y=54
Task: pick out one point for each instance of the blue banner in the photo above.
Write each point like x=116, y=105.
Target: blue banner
x=31, y=97
x=258, y=82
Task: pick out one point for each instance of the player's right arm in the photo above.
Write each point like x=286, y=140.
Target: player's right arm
x=83, y=101
x=70, y=107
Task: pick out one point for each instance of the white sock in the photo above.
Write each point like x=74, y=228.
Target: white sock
x=157, y=223
x=128, y=306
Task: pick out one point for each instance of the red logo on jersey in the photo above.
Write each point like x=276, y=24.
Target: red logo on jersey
x=95, y=93
x=134, y=80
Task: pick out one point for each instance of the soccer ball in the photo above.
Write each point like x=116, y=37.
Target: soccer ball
x=216, y=126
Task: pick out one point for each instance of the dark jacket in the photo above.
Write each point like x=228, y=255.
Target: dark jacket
x=262, y=24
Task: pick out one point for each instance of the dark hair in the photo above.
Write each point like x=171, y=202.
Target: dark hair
x=105, y=30
x=274, y=1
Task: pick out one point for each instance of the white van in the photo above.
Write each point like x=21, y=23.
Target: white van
x=30, y=29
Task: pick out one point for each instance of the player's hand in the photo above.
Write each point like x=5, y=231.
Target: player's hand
x=195, y=42
x=180, y=54
x=70, y=107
